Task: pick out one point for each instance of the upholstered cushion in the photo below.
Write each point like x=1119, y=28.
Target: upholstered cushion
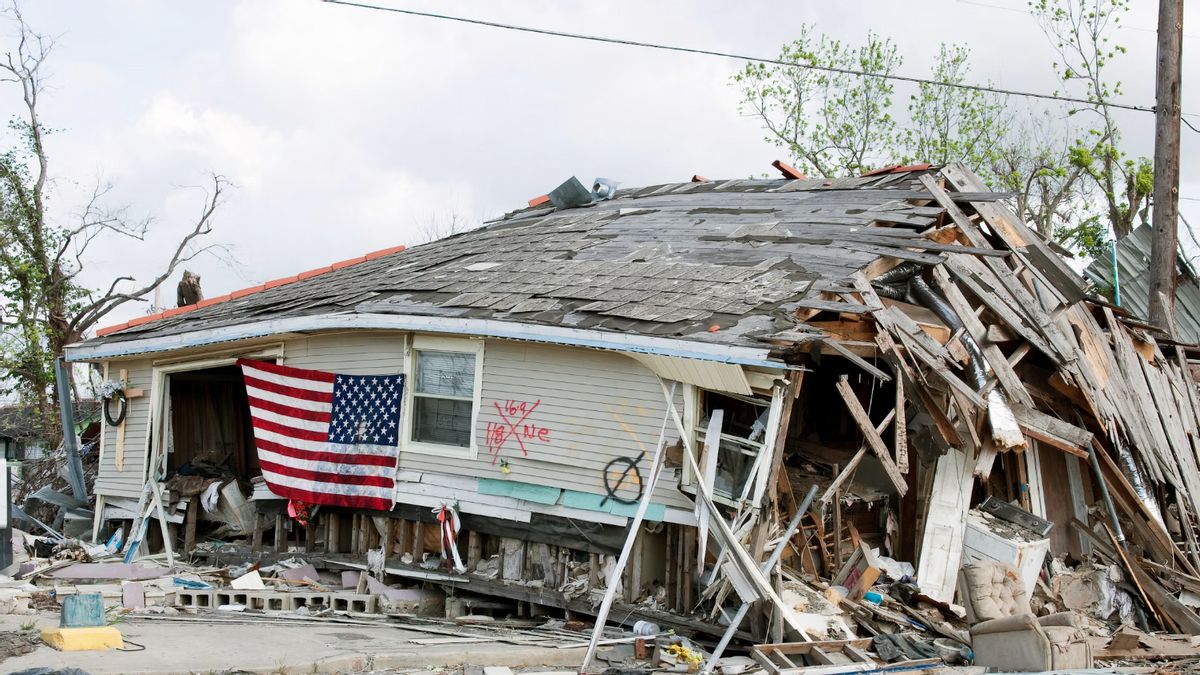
x=994, y=591
x=1061, y=636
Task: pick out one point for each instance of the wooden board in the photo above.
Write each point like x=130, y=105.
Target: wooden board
x=874, y=440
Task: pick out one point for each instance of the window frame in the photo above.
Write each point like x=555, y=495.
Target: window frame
x=419, y=343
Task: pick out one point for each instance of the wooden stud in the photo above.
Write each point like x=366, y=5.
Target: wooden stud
x=594, y=570
x=475, y=549
x=406, y=537
x=389, y=541
x=257, y=539
x=418, y=549
x=189, y=524
x=333, y=532
x=671, y=573
x=690, y=538
x=280, y=534
x=635, y=568
x=837, y=524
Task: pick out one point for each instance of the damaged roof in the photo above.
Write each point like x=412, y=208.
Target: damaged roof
x=1133, y=256
x=716, y=261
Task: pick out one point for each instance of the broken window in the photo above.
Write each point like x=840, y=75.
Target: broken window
x=744, y=421
x=444, y=384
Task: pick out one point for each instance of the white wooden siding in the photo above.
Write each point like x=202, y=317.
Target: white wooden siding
x=365, y=353
x=127, y=483
x=595, y=406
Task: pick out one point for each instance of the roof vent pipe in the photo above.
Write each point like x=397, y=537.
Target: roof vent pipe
x=572, y=194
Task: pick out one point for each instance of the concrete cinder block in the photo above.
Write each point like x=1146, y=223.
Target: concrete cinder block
x=416, y=601
x=353, y=602
x=196, y=599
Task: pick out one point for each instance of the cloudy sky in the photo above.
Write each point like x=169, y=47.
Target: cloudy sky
x=347, y=130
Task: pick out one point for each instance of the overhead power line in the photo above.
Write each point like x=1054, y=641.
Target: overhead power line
x=739, y=57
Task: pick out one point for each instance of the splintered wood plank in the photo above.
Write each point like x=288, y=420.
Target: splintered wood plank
x=1057, y=276
x=1053, y=431
x=1004, y=372
x=872, y=437
x=833, y=306
x=900, y=430
x=993, y=296
x=943, y=424
x=857, y=360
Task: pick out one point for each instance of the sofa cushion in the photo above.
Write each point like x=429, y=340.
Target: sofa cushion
x=994, y=591
x=1061, y=636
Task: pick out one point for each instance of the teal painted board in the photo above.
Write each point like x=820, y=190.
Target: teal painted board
x=497, y=488
x=538, y=494
x=584, y=500
x=82, y=611
x=656, y=512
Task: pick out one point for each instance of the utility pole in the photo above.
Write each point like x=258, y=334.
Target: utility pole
x=1164, y=246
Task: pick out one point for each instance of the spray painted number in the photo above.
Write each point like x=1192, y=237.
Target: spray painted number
x=514, y=425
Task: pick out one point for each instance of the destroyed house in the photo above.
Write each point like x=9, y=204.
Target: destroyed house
x=898, y=342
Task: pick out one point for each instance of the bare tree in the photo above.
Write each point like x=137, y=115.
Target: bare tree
x=442, y=225
x=43, y=304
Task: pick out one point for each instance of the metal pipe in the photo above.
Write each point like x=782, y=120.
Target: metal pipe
x=771, y=562
x=1108, y=502
x=1116, y=276
x=66, y=409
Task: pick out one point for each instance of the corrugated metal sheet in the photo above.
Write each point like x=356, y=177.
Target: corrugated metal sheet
x=1133, y=258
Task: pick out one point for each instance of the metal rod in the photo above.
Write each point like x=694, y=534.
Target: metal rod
x=1116, y=276
x=766, y=568
x=66, y=408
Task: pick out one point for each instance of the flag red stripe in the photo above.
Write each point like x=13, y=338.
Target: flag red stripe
x=287, y=371
x=291, y=432
x=327, y=477
x=329, y=499
x=335, y=457
x=294, y=392
x=289, y=411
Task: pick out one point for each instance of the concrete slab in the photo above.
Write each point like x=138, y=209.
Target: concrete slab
x=185, y=647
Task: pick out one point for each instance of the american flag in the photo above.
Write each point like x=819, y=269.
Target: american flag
x=324, y=438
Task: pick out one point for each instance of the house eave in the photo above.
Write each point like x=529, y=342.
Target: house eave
x=579, y=337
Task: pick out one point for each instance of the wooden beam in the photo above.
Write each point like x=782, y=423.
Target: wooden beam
x=874, y=440
x=1053, y=431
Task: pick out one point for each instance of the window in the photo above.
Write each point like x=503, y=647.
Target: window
x=746, y=422
x=444, y=394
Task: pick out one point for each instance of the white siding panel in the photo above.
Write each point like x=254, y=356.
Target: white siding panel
x=366, y=353
x=585, y=408
x=127, y=483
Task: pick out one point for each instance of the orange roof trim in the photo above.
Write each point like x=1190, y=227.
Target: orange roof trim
x=274, y=283
x=896, y=168
x=788, y=170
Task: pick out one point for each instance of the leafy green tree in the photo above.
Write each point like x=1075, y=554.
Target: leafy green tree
x=1079, y=31
x=949, y=124
x=831, y=122
x=43, y=304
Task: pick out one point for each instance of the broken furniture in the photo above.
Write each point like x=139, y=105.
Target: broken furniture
x=988, y=538
x=1004, y=632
